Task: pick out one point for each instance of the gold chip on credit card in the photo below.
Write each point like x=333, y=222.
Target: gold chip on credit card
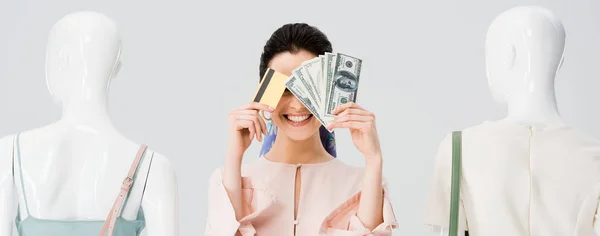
x=271, y=88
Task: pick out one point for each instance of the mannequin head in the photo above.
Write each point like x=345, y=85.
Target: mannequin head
x=288, y=47
x=524, y=50
x=82, y=56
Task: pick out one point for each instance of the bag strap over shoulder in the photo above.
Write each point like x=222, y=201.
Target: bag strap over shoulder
x=455, y=184
x=109, y=223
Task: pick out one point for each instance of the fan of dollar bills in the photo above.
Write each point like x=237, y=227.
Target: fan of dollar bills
x=325, y=82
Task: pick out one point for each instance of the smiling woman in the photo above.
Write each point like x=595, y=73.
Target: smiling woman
x=290, y=115
x=298, y=187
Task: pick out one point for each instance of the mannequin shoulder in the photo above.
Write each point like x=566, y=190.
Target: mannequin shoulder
x=162, y=178
x=162, y=164
x=6, y=153
x=576, y=138
x=6, y=143
x=161, y=186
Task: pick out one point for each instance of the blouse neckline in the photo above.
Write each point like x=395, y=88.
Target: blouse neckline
x=262, y=157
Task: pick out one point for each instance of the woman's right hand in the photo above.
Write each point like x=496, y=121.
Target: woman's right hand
x=245, y=124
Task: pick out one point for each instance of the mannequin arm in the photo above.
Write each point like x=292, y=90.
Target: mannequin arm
x=7, y=214
x=438, y=205
x=160, y=203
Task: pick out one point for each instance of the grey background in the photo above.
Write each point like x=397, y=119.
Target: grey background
x=187, y=63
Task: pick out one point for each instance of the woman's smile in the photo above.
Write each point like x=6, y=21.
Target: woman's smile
x=298, y=119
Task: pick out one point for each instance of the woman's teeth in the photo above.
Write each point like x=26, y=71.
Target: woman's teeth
x=298, y=118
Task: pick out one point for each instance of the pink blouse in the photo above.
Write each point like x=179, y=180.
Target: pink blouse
x=328, y=203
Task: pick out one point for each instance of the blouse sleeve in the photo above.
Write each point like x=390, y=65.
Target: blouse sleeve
x=343, y=221
x=221, y=220
x=438, y=204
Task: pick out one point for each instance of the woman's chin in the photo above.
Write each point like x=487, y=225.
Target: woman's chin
x=300, y=136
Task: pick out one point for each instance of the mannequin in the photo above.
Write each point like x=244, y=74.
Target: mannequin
x=73, y=169
x=511, y=167
x=525, y=85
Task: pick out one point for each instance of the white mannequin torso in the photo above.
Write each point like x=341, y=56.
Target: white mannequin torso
x=70, y=173
x=524, y=50
x=73, y=169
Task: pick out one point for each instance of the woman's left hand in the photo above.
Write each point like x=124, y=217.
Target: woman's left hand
x=362, y=128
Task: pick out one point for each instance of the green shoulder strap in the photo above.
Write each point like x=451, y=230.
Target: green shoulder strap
x=455, y=186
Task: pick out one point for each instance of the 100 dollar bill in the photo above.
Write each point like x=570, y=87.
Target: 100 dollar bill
x=329, y=68
x=301, y=76
x=313, y=69
x=344, y=82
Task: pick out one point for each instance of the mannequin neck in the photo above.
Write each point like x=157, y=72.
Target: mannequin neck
x=535, y=104
x=90, y=110
x=309, y=151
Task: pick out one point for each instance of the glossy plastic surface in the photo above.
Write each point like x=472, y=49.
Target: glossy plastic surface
x=73, y=168
x=524, y=51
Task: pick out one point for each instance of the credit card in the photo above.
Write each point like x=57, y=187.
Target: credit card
x=271, y=88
